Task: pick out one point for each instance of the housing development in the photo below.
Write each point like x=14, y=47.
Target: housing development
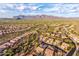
x=38, y=35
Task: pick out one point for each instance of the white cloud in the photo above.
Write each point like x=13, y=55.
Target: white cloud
x=2, y=11
x=69, y=8
x=63, y=9
x=32, y=7
x=51, y=9
x=10, y=5
x=21, y=7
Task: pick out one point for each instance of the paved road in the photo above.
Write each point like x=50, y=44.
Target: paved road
x=74, y=50
x=53, y=46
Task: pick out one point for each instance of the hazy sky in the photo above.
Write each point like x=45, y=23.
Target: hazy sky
x=55, y=9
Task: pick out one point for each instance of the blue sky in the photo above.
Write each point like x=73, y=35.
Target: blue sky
x=55, y=9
